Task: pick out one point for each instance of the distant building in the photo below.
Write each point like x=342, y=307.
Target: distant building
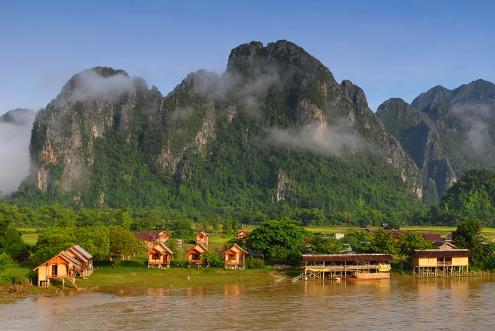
x=195, y=256
x=363, y=266
x=440, y=262
x=444, y=244
x=338, y=235
x=149, y=238
x=202, y=238
x=242, y=235
x=431, y=237
x=235, y=257
x=84, y=258
x=159, y=256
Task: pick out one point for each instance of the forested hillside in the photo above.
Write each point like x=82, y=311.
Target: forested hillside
x=274, y=132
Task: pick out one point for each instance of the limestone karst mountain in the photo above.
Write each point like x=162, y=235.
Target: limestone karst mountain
x=274, y=130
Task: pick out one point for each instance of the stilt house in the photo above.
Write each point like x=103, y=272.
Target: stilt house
x=84, y=258
x=195, y=256
x=440, y=262
x=235, y=257
x=365, y=266
x=159, y=256
x=63, y=266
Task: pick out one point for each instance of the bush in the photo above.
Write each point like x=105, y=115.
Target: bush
x=254, y=263
x=215, y=259
x=131, y=264
x=178, y=264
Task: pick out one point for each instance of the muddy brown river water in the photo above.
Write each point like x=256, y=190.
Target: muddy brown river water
x=397, y=304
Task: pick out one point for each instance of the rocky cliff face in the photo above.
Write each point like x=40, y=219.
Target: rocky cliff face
x=465, y=120
x=93, y=105
x=446, y=132
x=276, y=126
x=419, y=137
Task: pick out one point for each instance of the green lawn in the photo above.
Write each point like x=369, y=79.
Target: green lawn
x=29, y=235
x=30, y=238
x=141, y=277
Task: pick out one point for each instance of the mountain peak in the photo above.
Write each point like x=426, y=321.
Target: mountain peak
x=280, y=56
x=434, y=95
x=18, y=116
x=103, y=83
x=478, y=91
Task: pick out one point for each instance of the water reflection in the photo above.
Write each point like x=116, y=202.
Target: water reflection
x=410, y=304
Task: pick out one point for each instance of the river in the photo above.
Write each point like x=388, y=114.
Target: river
x=397, y=304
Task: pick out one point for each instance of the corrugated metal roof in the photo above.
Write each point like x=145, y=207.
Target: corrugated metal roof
x=347, y=257
x=80, y=253
x=82, y=250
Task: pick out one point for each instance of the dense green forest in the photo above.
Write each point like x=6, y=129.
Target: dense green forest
x=472, y=197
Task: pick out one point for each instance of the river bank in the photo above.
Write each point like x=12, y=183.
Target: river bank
x=111, y=279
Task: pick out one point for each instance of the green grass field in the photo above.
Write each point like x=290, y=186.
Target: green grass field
x=142, y=277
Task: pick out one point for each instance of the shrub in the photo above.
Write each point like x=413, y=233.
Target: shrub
x=214, y=258
x=254, y=263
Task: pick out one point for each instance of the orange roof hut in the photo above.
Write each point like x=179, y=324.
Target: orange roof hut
x=60, y=267
x=159, y=256
x=195, y=256
x=235, y=257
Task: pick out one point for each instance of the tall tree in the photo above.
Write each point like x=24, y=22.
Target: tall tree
x=281, y=240
x=468, y=235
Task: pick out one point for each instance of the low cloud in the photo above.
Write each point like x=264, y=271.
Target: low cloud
x=475, y=118
x=336, y=139
x=232, y=85
x=90, y=84
x=15, y=134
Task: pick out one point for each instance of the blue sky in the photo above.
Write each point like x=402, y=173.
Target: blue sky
x=389, y=48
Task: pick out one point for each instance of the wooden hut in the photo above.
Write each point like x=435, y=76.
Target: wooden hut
x=440, y=262
x=195, y=256
x=63, y=266
x=242, y=235
x=235, y=257
x=202, y=238
x=84, y=258
x=365, y=266
x=159, y=256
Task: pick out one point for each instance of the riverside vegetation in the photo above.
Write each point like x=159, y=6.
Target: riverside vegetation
x=107, y=235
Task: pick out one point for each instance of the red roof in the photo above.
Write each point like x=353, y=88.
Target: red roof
x=431, y=237
x=147, y=235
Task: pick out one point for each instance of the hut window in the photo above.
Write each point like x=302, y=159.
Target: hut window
x=54, y=270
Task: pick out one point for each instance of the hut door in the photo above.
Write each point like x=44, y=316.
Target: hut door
x=54, y=270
